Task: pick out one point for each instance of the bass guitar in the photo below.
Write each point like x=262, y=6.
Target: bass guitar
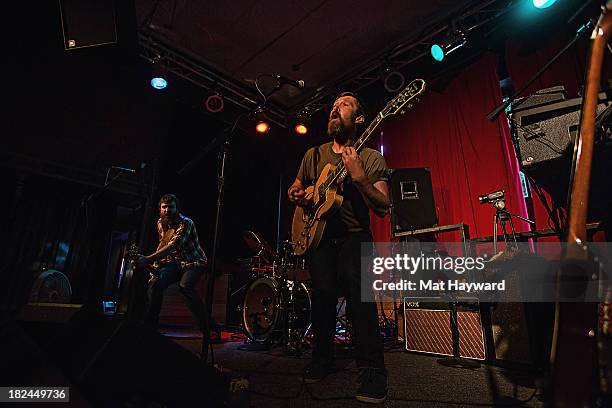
x=574, y=360
x=309, y=222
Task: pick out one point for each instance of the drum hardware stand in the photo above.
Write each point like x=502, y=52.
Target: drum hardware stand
x=398, y=304
x=294, y=345
x=292, y=338
x=342, y=323
x=283, y=330
x=393, y=323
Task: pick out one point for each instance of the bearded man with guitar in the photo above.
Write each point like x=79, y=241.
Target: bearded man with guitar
x=178, y=258
x=335, y=261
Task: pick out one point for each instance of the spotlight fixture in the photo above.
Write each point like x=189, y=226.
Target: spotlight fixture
x=159, y=72
x=542, y=4
x=302, y=122
x=262, y=123
x=450, y=44
x=214, y=103
x=393, y=80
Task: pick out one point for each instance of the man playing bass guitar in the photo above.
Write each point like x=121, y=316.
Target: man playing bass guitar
x=178, y=258
x=335, y=261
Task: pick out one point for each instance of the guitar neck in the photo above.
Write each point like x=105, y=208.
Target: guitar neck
x=401, y=102
x=340, y=171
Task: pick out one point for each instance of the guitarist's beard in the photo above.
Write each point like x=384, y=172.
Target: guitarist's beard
x=339, y=131
x=168, y=220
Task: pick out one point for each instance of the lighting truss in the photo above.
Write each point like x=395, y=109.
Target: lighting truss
x=189, y=67
x=477, y=14
x=184, y=65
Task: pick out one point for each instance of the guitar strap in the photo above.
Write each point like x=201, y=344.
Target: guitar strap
x=315, y=162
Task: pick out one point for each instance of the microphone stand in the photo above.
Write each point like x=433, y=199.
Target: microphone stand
x=585, y=28
x=223, y=142
x=107, y=183
x=456, y=360
x=223, y=153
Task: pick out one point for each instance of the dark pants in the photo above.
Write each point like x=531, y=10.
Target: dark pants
x=335, y=266
x=167, y=275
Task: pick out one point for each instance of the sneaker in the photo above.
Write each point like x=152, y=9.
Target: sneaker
x=373, y=388
x=315, y=372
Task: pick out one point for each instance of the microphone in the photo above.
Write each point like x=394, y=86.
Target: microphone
x=124, y=169
x=284, y=80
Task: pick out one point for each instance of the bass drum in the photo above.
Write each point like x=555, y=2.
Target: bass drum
x=271, y=310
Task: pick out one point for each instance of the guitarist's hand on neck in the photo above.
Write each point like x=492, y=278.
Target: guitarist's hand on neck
x=353, y=163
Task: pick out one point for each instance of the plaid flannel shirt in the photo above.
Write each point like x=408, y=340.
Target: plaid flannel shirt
x=184, y=240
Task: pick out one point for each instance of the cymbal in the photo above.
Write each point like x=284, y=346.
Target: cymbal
x=259, y=245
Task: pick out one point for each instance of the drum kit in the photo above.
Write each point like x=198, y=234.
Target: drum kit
x=277, y=301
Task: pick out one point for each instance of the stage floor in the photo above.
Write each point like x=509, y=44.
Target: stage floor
x=415, y=380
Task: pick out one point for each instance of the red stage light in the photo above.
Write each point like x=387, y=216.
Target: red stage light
x=262, y=127
x=301, y=129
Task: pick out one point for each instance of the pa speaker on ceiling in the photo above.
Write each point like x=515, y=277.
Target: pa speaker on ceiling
x=88, y=23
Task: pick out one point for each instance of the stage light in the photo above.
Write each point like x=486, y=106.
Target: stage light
x=301, y=129
x=542, y=4
x=159, y=83
x=394, y=81
x=437, y=53
x=214, y=103
x=262, y=127
x=262, y=123
x=440, y=50
x=159, y=72
x=302, y=122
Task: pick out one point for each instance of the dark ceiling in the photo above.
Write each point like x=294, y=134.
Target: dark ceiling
x=330, y=45
x=318, y=41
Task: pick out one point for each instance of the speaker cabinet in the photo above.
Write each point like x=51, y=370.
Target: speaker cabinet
x=412, y=200
x=115, y=363
x=546, y=132
x=427, y=328
x=88, y=23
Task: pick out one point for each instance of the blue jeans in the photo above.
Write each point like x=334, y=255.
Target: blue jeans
x=167, y=275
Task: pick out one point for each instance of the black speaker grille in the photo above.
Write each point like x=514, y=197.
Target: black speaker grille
x=412, y=199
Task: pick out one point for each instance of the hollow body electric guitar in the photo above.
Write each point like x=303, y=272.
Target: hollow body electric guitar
x=323, y=197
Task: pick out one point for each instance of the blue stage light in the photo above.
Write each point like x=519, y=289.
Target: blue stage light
x=437, y=53
x=159, y=83
x=542, y=4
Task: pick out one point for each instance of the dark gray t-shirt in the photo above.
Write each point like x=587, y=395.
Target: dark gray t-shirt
x=353, y=215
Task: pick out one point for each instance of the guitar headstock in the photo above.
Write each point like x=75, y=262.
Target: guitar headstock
x=404, y=99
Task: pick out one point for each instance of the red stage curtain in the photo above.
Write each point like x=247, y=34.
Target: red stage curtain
x=467, y=154
x=568, y=70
